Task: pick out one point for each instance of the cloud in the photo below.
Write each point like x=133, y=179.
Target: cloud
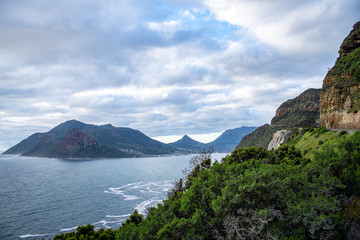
x=292, y=27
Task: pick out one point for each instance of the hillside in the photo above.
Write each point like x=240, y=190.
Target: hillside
x=74, y=139
x=257, y=194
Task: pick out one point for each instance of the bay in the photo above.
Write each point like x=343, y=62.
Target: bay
x=41, y=197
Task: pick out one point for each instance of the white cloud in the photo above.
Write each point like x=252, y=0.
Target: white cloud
x=291, y=26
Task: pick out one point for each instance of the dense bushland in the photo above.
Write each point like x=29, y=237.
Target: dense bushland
x=255, y=194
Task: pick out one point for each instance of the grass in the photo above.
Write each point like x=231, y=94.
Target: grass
x=314, y=140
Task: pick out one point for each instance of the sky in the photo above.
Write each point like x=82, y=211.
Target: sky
x=164, y=67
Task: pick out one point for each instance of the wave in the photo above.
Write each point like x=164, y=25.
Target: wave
x=34, y=235
x=120, y=216
x=141, y=207
x=68, y=229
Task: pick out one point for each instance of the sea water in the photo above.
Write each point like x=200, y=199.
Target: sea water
x=42, y=197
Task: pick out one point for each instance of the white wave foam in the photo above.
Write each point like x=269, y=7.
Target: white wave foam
x=68, y=229
x=141, y=207
x=127, y=197
x=33, y=235
x=120, y=216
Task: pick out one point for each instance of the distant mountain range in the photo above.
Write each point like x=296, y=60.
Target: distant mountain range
x=74, y=139
x=226, y=142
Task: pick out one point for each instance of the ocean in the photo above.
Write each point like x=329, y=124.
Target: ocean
x=42, y=197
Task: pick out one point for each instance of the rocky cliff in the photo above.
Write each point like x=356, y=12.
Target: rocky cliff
x=340, y=95
x=301, y=111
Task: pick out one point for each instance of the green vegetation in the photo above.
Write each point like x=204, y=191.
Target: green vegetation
x=309, y=140
x=350, y=64
x=257, y=194
x=261, y=137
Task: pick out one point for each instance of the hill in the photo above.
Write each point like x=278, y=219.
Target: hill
x=189, y=144
x=75, y=139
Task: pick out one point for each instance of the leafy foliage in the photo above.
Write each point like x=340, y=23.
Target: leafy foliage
x=255, y=194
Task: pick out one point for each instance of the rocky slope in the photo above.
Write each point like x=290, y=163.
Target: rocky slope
x=300, y=111
x=74, y=139
x=340, y=96
x=297, y=112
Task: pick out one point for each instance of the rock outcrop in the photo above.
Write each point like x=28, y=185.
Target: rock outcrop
x=302, y=111
x=279, y=137
x=340, y=95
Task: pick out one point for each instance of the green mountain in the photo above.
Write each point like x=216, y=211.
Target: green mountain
x=74, y=139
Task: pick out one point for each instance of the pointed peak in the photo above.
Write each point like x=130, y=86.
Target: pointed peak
x=186, y=137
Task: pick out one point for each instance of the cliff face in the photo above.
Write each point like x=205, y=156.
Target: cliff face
x=300, y=111
x=340, y=95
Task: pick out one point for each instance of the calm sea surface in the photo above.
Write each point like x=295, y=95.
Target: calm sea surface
x=41, y=197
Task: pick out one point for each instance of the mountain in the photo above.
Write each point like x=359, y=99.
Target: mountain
x=229, y=139
x=302, y=111
x=340, y=95
x=75, y=139
x=226, y=142
x=189, y=144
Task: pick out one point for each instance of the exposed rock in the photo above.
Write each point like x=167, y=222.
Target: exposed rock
x=300, y=111
x=340, y=95
x=279, y=137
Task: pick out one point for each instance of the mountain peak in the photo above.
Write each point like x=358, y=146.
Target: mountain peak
x=186, y=137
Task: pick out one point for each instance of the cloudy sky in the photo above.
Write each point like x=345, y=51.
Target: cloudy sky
x=164, y=67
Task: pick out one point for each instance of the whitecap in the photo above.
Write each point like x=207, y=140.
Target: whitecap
x=141, y=207
x=68, y=229
x=33, y=235
x=120, y=216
